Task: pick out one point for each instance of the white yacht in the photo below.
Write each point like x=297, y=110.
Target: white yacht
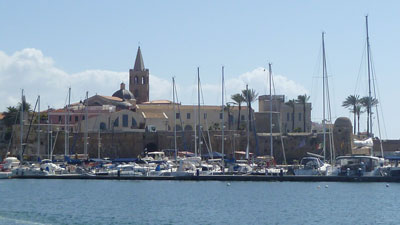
x=312, y=166
x=358, y=165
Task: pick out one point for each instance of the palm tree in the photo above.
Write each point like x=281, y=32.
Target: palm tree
x=291, y=103
x=358, y=111
x=238, y=99
x=227, y=108
x=303, y=99
x=368, y=103
x=11, y=116
x=250, y=95
x=351, y=102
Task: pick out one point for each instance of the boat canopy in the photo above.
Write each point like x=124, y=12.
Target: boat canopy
x=121, y=160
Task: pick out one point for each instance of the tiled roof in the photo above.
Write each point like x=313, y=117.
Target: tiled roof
x=1, y=116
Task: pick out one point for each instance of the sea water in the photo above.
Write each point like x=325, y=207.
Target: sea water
x=189, y=202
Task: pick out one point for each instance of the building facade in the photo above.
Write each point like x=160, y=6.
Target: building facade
x=291, y=114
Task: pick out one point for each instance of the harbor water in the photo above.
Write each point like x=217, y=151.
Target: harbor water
x=31, y=201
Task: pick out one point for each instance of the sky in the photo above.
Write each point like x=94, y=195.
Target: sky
x=48, y=46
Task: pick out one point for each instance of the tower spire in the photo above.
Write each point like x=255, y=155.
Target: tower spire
x=139, y=65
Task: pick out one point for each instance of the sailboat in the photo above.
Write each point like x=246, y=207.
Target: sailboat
x=315, y=164
x=274, y=170
x=365, y=165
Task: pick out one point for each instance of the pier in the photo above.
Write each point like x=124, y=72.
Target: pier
x=225, y=178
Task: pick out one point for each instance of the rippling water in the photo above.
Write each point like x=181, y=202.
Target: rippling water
x=187, y=202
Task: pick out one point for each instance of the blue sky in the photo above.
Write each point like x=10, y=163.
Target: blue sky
x=95, y=42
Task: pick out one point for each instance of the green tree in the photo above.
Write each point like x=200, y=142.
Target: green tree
x=358, y=112
x=351, y=102
x=303, y=99
x=368, y=103
x=250, y=95
x=238, y=99
x=227, y=108
x=291, y=103
x=11, y=116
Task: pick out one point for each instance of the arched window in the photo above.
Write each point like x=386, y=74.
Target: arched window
x=188, y=128
x=103, y=126
x=178, y=128
x=143, y=80
x=134, y=123
x=136, y=80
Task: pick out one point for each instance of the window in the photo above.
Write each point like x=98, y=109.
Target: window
x=178, y=128
x=102, y=126
x=76, y=118
x=242, y=117
x=143, y=80
x=299, y=116
x=205, y=115
x=177, y=115
x=116, y=122
x=220, y=116
x=70, y=118
x=230, y=118
x=59, y=118
x=136, y=80
x=125, y=120
x=288, y=116
x=83, y=117
x=134, y=123
x=188, y=116
x=188, y=127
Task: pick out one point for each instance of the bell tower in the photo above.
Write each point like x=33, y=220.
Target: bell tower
x=139, y=80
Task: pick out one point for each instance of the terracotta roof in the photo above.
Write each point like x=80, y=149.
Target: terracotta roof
x=1, y=116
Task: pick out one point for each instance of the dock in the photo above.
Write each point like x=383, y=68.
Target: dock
x=259, y=178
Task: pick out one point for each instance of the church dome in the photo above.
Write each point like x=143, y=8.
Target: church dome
x=123, y=94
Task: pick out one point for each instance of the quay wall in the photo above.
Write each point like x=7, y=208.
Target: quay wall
x=131, y=144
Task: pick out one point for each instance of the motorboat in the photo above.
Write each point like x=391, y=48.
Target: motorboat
x=29, y=170
x=358, y=165
x=9, y=163
x=310, y=166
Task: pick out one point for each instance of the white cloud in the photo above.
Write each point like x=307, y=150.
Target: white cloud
x=257, y=79
x=36, y=73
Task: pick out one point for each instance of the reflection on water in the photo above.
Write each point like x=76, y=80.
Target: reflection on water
x=191, y=202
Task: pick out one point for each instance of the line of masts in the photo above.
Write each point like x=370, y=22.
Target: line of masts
x=198, y=143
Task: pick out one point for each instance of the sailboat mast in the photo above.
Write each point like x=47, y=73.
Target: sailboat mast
x=248, y=123
x=270, y=110
x=21, y=125
x=369, y=129
x=48, y=132
x=222, y=122
x=199, y=112
x=85, y=146
x=66, y=129
x=323, y=93
x=38, y=130
x=173, y=103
